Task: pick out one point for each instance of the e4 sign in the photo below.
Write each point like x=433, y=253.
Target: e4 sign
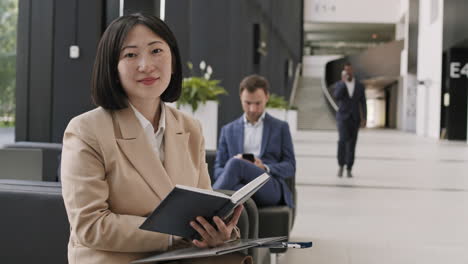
x=456, y=71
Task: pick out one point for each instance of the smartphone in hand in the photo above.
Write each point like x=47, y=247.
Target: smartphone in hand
x=248, y=156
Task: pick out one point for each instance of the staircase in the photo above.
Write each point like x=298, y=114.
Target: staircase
x=314, y=112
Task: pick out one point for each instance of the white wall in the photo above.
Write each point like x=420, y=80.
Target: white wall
x=430, y=70
x=403, y=8
x=352, y=11
x=314, y=66
x=402, y=102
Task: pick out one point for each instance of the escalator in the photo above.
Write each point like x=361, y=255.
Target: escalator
x=314, y=112
x=378, y=69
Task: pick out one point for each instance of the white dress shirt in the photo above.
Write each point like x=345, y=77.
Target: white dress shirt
x=350, y=85
x=253, y=133
x=155, y=139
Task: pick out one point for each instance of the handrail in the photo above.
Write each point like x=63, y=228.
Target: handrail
x=295, y=83
x=327, y=93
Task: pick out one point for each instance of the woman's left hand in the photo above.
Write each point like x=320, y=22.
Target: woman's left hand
x=212, y=236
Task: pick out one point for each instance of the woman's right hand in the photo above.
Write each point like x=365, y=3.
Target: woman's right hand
x=215, y=236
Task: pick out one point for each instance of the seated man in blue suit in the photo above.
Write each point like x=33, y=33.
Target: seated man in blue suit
x=262, y=135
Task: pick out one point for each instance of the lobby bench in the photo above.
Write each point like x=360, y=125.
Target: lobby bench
x=38, y=188
x=34, y=227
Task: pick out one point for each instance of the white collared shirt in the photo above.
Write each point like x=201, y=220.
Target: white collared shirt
x=350, y=85
x=253, y=135
x=156, y=139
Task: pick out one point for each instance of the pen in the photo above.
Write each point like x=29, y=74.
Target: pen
x=287, y=245
x=297, y=245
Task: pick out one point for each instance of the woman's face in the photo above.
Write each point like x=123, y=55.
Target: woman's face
x=145, y=65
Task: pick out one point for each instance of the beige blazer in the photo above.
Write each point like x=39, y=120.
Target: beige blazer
x=112, y=179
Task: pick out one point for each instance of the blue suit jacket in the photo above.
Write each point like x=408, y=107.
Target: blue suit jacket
x=276, y=152
x=349, y=107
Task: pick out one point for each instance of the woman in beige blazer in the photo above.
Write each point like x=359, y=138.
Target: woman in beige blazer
x=122, y=158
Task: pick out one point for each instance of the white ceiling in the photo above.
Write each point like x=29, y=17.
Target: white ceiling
x=353, y=11
x=352, y=32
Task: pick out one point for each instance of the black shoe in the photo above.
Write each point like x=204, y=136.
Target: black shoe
x=340, y=172
x=349, y=174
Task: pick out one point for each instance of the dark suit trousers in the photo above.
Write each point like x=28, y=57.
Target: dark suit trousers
x=348, y=132
x=237, y=173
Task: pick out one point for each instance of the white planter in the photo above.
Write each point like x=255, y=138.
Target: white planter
x=207, y=114
x=277, y=113
x=291, y=118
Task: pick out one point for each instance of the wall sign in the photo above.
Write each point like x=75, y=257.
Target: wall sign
x=457, y=71
x=455, y=93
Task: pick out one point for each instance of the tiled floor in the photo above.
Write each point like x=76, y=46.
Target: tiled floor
x=408, y=202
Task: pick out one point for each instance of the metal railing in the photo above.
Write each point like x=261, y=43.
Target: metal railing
x=295, y=83
x=327, y=93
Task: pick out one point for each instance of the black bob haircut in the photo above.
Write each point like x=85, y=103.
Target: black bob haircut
x=107, y=90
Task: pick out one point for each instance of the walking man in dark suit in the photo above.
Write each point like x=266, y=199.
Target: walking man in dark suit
x=351, y=114
x=257, y=133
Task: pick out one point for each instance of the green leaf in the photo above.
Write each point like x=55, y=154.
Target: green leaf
x=196, y=90
x=8, y=24
x=276, y=101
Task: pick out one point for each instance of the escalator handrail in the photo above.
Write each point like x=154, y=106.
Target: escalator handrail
x=327, y=93
x=295, y=84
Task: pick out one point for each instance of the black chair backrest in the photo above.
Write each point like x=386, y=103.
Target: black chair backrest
x=210, y=157
x=51, y=153
x=34, y=226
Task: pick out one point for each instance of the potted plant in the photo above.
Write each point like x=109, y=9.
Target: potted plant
x=199, y=98
x=197, y=90
x=278, y=107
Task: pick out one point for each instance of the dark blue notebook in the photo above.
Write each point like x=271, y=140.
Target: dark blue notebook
x=183, y=204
